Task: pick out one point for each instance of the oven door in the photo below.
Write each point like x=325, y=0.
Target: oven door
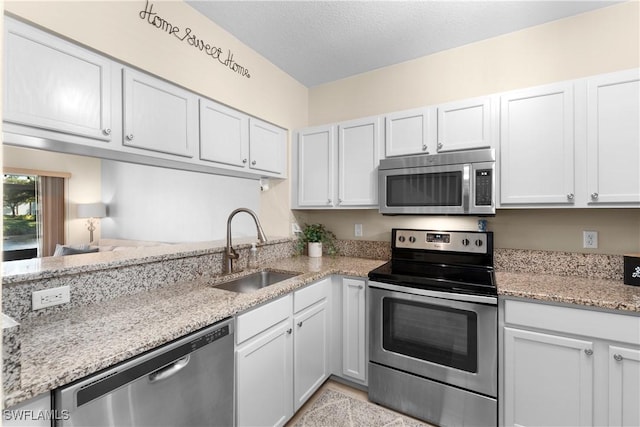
x=425, y=190
x=436, y=336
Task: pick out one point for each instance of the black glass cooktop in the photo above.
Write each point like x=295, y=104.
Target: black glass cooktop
x=442, y=277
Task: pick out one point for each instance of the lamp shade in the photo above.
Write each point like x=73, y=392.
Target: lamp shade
x=92, y=210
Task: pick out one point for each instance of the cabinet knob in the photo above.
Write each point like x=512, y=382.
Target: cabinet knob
x=244, y=160
x=339, y=201
x=289, y=331
x=253, y=163
x=570, y=196
x=329, y=202
x=439, y=145
x=106, y=131
x=129, y=137
x=617, y=357
x=588, y=351
x=424, y=147
x=300, y=324
x=594, y=196
x=360, y=287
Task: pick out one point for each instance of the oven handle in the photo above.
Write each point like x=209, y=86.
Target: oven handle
x=482, y=299
x=466, y=187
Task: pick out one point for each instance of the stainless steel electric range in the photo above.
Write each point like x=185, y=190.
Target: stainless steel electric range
x=433, y=328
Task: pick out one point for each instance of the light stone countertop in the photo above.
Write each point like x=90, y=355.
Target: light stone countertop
x=66, y=346
x=70, y=345
x=598, y=293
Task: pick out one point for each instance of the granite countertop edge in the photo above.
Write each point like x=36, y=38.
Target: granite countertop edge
x=206, y=305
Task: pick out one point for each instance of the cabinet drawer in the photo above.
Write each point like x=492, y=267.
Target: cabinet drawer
x=312, y=294
x=262, y=318
x=596, y=324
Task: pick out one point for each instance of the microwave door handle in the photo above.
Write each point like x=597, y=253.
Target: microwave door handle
x=466, y=187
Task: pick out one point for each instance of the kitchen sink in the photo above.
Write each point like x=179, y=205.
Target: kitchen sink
x=255, y=281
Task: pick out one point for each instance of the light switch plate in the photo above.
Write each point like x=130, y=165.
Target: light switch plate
x=358, y=230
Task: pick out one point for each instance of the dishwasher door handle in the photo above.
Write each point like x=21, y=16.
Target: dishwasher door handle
x=167, y=371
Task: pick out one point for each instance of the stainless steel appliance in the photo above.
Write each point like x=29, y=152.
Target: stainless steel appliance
x=433, y=328
x=460, y=183
x=188, y=382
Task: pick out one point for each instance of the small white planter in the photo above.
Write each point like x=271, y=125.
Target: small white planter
x=315, y=249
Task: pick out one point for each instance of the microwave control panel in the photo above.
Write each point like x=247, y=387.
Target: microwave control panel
x=484, y=187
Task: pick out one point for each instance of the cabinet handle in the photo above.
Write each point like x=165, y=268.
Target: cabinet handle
x=129, y=137
x=106, y=131
x=617, y=357
x=594, y=196
x=329, y=201
x=424, y=147
x=289, y=331
x=300, y=324
x=588, y=351
x=339, y=201
x=570, y=196
x=360, y=287
x=253, y=163
x=244, y=160
x=439, y=145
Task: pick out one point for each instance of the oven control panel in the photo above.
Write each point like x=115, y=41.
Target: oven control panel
x=455, y=241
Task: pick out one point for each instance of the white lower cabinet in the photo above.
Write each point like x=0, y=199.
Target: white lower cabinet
x=35, y=412
x=566, y=366
x=282, y=355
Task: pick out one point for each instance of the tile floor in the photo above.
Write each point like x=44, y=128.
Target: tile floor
x=338, y=405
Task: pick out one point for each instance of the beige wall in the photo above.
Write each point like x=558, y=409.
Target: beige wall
x=597, y=42
x=116, y=29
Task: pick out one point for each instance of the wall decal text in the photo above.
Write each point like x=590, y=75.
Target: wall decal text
x=187, y=35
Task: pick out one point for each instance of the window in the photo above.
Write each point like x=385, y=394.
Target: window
x=33, y=214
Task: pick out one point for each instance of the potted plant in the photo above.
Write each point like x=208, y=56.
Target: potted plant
x=312, y=237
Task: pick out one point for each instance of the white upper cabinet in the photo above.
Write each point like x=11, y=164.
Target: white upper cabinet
x=158, y=116
x=52, y=84
x=315, y=153
x=358, y=159
x=408, y=132
x=465, y=125
x=537, y=146
x=613, y=138
x=267, y=147
x=224, y=134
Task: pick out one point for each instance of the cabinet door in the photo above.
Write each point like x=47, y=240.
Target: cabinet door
x=158, y=116
x=311, y=351
x=407, y=132
x=537, y=146
x=224, y=134
x=613, y=132
x=52, y=84
x=264, y=371
x=267, y=147
x=354, y=356
x=358, y=159
x=464, y=125
x=548, y=379
x=624, y=386
x=315, y=167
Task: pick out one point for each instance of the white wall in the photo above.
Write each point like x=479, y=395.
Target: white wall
x=167, y=205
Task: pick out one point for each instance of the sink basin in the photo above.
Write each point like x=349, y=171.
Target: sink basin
x=255, y=281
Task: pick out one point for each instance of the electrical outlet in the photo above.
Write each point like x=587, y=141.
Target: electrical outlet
x=590, y=239
x=50, y=297
x=358, y=230
x=295, y=228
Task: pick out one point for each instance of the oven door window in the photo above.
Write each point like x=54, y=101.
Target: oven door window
x=425, y=189
x=442, y=335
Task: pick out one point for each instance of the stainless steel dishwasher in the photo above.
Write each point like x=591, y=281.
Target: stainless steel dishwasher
x=188, y=382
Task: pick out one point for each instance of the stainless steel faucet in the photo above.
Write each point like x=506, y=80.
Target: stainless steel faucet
x=230, y=254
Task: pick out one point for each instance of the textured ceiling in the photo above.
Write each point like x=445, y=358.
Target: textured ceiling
x=321, y=41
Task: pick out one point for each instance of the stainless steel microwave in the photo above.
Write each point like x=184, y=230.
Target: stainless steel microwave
x=457, y=183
